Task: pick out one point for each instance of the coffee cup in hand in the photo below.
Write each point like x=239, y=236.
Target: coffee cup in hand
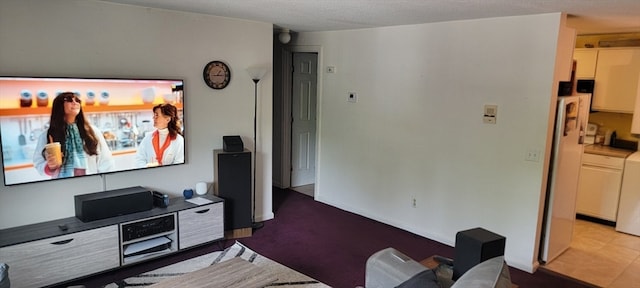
x=53, y=154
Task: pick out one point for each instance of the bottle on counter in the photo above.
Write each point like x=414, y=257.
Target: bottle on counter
x=612, y=141
x=607, y=137
x=599, y=139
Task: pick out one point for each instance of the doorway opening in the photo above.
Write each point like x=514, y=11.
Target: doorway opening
x=295, y=117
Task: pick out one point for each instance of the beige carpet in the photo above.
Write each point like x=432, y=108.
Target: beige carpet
x=287, y=278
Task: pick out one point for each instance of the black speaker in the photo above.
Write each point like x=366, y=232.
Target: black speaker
x=585, y=85
x=565, y=88
x=233, y=179
x=232, y=144
x=474, y=246
x=101, y=205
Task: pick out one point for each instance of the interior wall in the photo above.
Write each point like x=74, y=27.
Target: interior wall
x=96, y=39
x=417, y=132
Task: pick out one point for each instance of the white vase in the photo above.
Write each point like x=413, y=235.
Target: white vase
x=201, y=188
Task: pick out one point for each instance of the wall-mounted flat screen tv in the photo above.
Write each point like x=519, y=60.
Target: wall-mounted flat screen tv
x=58, y=128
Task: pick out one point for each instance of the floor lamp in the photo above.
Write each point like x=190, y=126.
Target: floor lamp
x=256, y=74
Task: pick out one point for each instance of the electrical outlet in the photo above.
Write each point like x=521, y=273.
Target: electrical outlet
x=533, y=155
x=352, y=97
x=331, y=69
x=414, y=203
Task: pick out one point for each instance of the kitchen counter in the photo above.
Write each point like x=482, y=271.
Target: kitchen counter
x=607, y=151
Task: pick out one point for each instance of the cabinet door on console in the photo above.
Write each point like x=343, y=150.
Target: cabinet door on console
x=200, y=225
x=53, y=260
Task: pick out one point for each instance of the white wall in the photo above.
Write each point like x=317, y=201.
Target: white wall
x=96, y=39
x=417, y=130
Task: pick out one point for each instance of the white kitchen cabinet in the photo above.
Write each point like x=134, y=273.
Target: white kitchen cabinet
x=586, y=59
x=52, y=260
x=599, y=186
x=616, y=80
x=201, y=225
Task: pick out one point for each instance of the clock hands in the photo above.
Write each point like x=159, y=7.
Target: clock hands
x=217, y=74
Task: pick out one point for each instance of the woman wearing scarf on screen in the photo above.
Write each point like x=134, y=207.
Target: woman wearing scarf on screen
x=84, y=149
x=165, y=145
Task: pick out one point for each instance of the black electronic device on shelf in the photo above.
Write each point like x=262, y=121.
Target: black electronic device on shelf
x=148, y=227
x=232, y=143
x=160, y=200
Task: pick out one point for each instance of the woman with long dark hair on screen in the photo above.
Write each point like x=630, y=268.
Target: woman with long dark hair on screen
x=84, y=149
x=165, y=145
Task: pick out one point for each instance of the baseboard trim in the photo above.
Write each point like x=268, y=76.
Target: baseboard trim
x=595, y=220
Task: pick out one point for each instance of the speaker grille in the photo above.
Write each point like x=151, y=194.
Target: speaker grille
x=101, y=205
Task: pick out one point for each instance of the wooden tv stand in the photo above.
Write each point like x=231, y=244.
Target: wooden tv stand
x=62, y=250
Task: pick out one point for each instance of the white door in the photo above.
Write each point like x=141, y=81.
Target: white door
x=303, y=127
x=563, y=185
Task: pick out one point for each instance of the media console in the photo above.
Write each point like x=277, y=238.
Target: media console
x=49, y=253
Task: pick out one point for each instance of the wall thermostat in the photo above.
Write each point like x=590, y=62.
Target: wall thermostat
x=490, y=114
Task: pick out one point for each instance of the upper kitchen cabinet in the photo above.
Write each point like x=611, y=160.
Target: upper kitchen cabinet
x=585, y=62
x=616, y=79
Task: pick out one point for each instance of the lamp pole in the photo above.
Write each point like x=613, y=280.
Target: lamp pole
x=256, y=74
x=255, y=150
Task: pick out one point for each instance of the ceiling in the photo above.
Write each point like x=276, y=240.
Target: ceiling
x=587, y=16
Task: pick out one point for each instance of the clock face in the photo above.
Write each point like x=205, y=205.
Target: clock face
x=216, y=74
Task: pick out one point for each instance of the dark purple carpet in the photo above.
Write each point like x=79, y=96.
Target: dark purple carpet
x=332, y=245
x=328, y=244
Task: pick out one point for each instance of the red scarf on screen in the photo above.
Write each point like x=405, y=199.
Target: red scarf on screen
x=156, y=145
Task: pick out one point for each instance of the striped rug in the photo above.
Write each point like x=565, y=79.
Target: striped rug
x=287, y=278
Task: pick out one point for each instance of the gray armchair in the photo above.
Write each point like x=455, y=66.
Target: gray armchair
x=4, y=276
x=390, y=268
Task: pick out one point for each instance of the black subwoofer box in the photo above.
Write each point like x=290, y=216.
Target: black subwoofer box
x=474, y=246
x=232, y=144
x=101, y=205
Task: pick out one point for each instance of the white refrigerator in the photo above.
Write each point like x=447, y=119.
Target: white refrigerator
x=572, y=116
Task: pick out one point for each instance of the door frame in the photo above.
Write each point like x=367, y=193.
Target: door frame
x=287, y=82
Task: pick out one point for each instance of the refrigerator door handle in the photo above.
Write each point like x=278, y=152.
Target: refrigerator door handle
x=563, y=119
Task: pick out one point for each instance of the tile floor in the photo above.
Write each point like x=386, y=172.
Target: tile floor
x=601, y=256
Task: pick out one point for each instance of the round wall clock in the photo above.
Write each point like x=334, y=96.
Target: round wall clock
x=216, y=74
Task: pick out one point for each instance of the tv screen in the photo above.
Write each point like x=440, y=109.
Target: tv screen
x=57, y=128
